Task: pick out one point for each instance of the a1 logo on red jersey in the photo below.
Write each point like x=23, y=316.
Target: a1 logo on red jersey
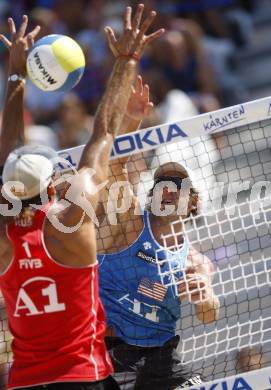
x=37, y=295
x=25, y=304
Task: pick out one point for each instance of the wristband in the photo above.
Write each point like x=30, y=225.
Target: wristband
x=134, y=56
x=16, y=77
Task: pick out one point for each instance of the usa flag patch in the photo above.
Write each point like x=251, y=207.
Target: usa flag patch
x=152, y=289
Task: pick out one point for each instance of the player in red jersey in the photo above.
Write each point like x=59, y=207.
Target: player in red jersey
x=49, y=276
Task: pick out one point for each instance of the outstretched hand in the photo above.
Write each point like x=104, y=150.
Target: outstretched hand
x=139, y=105
x=133, y=40
x=19, y=44
x=195, y=286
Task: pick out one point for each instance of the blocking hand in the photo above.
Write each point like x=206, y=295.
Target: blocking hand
x=139, y=105
x=195, y=287
x=18, y=45
x=133, y=40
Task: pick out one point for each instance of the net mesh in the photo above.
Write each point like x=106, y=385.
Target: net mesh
x=235, y=239
x=239, y=246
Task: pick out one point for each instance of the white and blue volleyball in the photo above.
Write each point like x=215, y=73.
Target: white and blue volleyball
x=55, y=63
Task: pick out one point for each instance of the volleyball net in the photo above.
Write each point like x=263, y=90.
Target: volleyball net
x=238, y=244
x=228, y=153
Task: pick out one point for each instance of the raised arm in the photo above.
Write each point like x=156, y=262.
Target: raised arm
x=83, y=193
x=139, y=107
x=127, y=50
x=109, y=118
x=12, y=132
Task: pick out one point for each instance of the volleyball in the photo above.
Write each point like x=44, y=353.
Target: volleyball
x=55, y=63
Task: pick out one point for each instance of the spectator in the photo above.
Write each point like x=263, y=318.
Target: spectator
x=171, y=104
x=188, y=69
x=74, y=125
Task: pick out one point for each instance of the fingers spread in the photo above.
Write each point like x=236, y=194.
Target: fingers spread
x=110, y=35
x=138, y=16
x=146, y=92
x=127, y=18
x=148, y=108
x=30, y=40
x=12, y=28
x=155, y=35
x=139, y=86
x=5, y=41
x=147, y=22
x=35, y=32
x=23, y=26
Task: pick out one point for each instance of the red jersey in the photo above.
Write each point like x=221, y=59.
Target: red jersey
x=55, y=314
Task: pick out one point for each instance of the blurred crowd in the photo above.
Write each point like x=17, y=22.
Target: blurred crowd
x=190, y=70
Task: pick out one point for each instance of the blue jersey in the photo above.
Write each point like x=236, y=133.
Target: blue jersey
x=142, y=310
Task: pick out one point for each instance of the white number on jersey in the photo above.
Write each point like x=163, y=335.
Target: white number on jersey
x=27, y=249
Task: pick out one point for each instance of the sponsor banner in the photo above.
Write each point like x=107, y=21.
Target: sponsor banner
x=153, y=137
x=253, y=380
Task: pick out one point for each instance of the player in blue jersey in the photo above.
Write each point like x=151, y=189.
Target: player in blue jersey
x=141, y=311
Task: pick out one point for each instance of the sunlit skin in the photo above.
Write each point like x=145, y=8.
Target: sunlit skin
x=172, y=198
x=128, y=47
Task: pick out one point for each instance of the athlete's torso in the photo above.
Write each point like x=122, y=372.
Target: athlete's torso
x=139, y=305
x=55, y=314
